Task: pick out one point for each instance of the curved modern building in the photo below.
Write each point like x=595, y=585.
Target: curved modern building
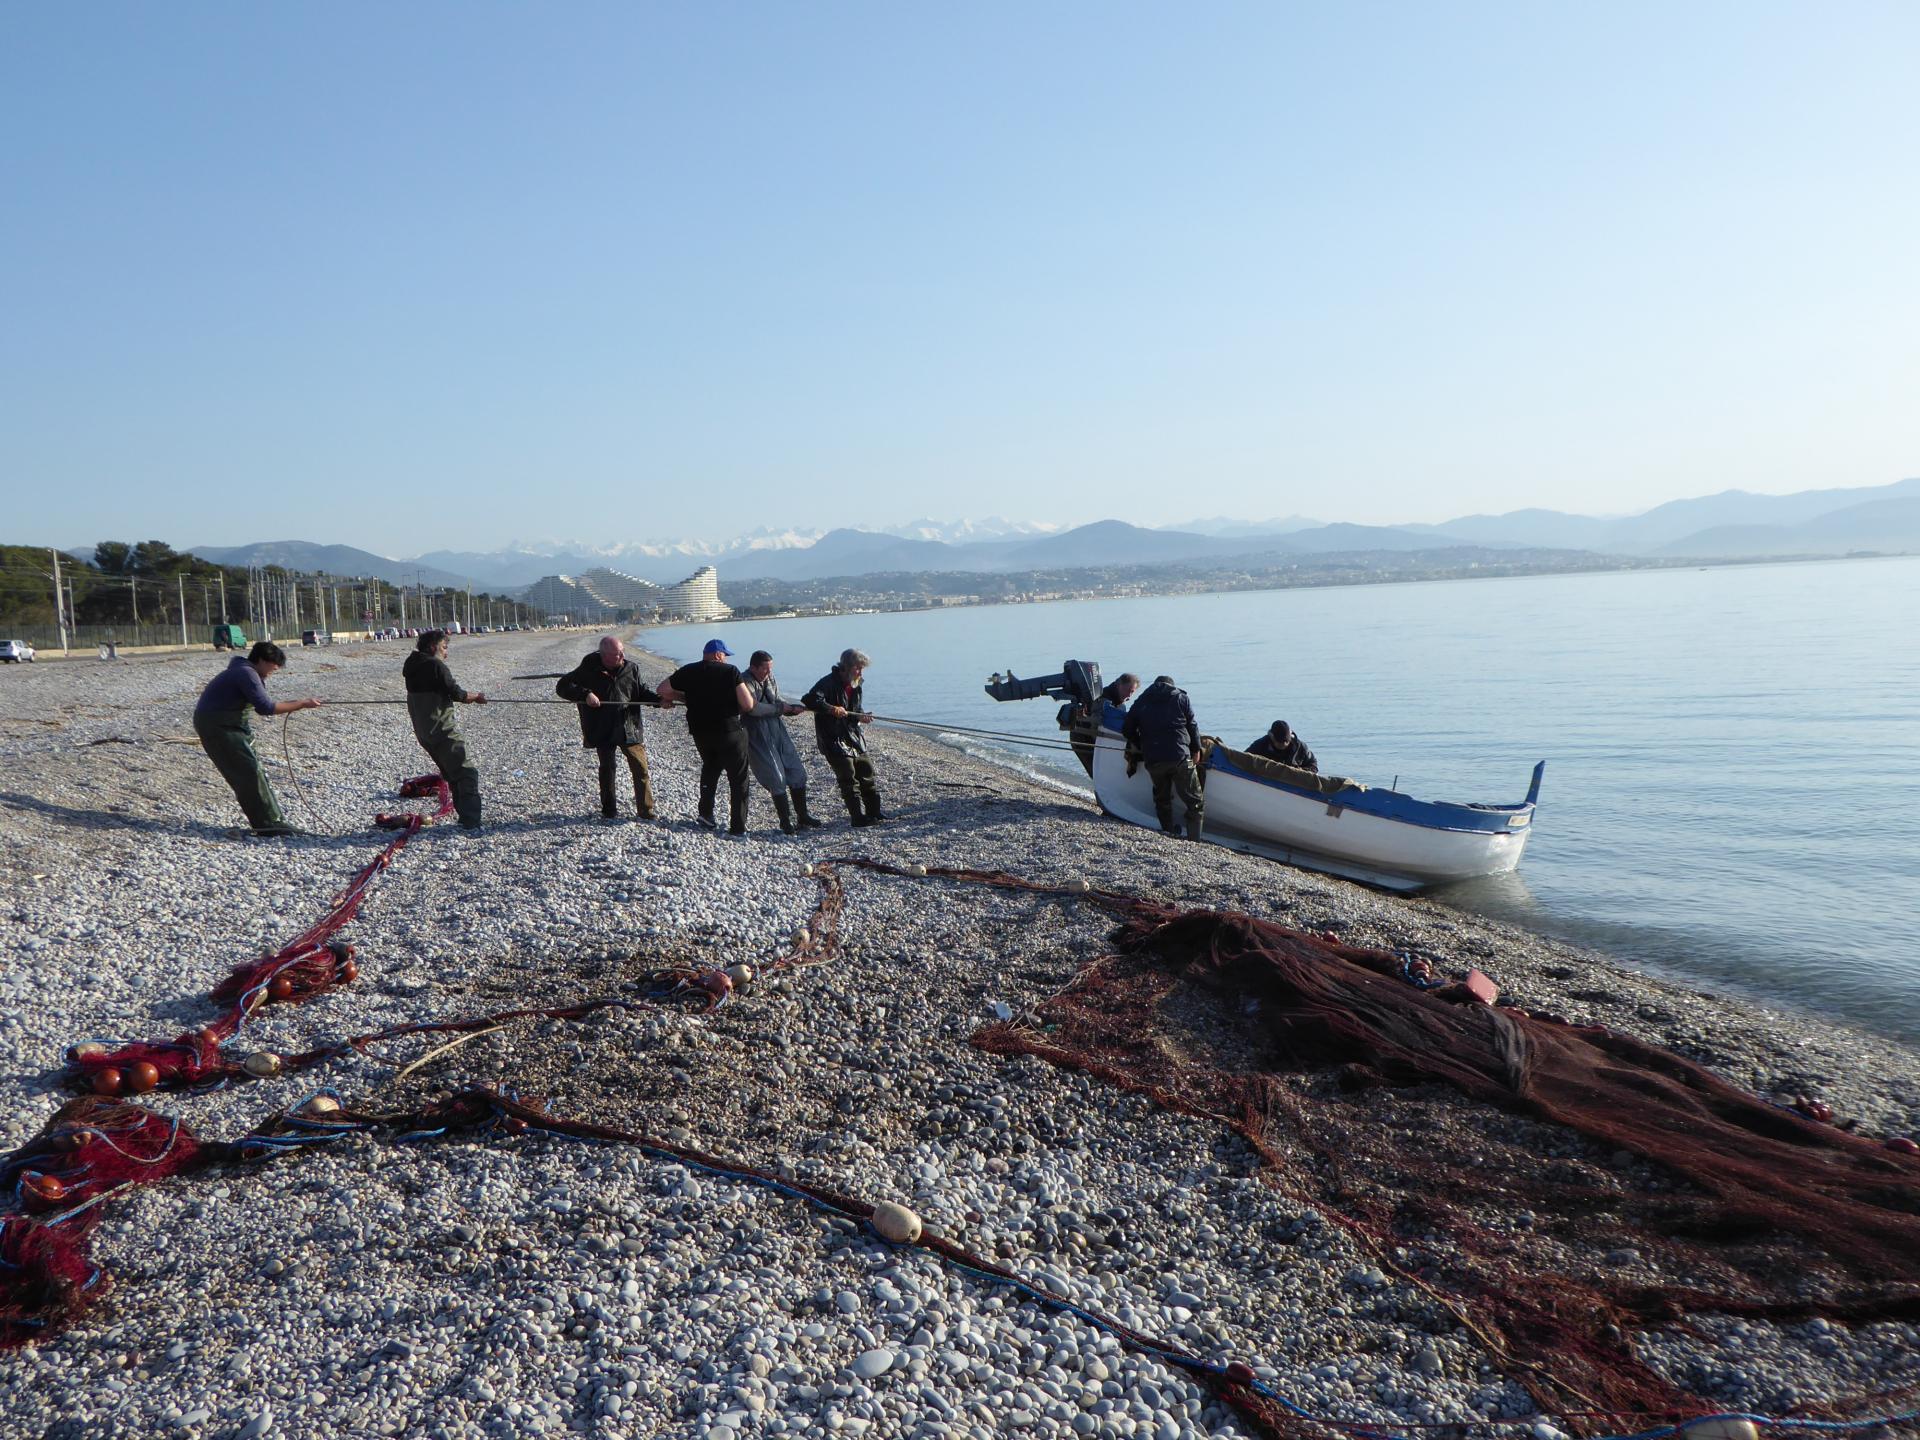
x=600, y=590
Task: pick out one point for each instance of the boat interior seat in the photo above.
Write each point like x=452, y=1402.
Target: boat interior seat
x=1274, y=770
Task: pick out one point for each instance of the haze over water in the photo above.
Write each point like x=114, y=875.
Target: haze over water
x=1733, y=754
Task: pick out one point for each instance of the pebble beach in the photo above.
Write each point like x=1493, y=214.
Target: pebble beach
x=533, y=1285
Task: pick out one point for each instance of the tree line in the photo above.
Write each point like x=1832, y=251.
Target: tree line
x=146, y=582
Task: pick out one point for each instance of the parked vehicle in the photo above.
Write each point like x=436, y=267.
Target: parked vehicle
x=14, y=651
x=229, y=637
x=316, y=637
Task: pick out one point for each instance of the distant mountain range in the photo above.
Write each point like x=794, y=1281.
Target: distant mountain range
x=1732, y=524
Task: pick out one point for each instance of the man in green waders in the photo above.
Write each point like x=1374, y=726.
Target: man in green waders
x=431, y=695
x=226, y=733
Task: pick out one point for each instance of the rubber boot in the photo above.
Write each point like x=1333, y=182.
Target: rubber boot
x=806, y=821
x=871, y=796
x=850, y=793
x=784, y=808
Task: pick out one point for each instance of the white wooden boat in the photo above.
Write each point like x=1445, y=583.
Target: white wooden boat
x=1323, y=822
x=1319, y=822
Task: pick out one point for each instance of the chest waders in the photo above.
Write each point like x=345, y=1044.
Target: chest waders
x=227, y=737
x=439, y=736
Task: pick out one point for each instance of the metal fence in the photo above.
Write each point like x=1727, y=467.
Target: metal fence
x=83, y=638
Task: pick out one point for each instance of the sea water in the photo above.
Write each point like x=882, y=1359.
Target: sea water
x=1732, y=795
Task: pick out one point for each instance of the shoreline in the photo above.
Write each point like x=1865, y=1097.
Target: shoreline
x=433, y=1289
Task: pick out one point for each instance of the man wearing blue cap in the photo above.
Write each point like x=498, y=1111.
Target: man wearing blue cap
x=716, y=698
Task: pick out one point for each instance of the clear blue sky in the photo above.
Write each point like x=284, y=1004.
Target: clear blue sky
x=406, y=276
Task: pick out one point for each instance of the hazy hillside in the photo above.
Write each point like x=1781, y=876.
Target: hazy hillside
x=1880, y=525
x=308, y=558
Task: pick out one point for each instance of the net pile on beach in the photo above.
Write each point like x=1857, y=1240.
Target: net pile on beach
x=1373, y=1098
x=1348, y=1082
x=91, y=1149
x=309, y=965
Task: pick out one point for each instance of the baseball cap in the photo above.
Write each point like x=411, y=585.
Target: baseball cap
x=716, y=647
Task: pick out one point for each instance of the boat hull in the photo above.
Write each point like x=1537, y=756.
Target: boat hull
x=1378, y=837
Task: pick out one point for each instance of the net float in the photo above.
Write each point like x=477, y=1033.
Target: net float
x=1078, y=887
x=1239, y=1373
x=1721, y=1427
x=108, y=1081
x=262, y=1064
x=43, y=1189
x=87, y=1049
x=1814, y=1109
x=896, y=1223
x=349, y=972
x=142, y=1076
x=801, y=937
x=919, y=872
x=207, y=1037
x=807, y=870
x=281, y=988
x=341, y=951
x=320, y=1105
x=717, y=983
x=740, y=975
x=1904, y=1145
x=513, y=1125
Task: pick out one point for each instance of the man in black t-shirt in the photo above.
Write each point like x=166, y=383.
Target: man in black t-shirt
x=716, y=698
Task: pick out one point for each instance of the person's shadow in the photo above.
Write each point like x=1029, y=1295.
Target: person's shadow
x=91, y=818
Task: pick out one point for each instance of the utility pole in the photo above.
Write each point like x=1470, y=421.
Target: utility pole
x=182, y=578
x=59, y=615
x=133, y=589
x=223, y=597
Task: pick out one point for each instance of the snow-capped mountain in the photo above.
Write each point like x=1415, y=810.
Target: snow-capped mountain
x=966, y=532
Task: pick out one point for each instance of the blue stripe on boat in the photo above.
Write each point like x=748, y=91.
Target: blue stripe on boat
x=1392, y=805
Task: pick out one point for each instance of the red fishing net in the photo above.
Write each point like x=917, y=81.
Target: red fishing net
x=1352, y=1085
x=53, y=1184
x=310, y=964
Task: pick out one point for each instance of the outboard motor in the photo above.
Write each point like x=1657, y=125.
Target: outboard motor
x=1078, y=683
x=1077, y=686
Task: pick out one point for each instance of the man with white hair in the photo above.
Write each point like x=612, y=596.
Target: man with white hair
x=610, y=693
x=835, y=701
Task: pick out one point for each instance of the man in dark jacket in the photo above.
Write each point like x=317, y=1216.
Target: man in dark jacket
x=432, y=692
x=226, y=734
x=610, y=693
x=835, y=701
x=1162, y=728
x=1284, y=747
x=716, y=698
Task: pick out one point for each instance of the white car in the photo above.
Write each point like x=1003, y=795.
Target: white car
x=15, y=650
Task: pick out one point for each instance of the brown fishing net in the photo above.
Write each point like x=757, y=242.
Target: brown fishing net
x=1551, y=1186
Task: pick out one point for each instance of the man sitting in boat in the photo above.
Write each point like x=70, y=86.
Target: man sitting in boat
x=1114, y=698
x=1280, y=744
x=1109, y=708
x=1162, y=728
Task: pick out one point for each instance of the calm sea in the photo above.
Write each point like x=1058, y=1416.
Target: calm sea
x=1732, y=794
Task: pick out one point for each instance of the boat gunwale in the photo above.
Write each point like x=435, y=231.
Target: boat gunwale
x=1394, y=805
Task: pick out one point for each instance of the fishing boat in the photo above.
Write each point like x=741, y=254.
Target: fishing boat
x=1368, y=833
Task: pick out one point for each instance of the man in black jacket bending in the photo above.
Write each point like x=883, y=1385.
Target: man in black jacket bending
x=835, y=701
x=1162, y=728
x=608, y=688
